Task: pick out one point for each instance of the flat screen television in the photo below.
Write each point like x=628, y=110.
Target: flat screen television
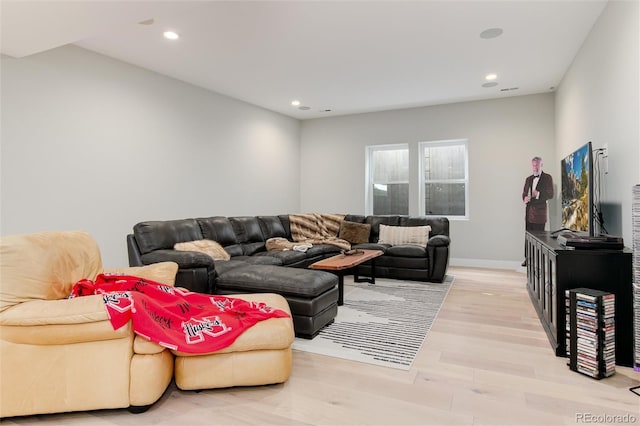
x=577, y=191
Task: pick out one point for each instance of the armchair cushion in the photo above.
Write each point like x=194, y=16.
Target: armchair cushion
x=56, y=312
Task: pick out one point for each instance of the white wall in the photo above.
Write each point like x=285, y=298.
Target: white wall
x=92, y=143
x=503, y=136
x=598, y=100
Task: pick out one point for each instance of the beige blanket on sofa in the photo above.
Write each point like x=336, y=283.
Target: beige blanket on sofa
x=314, y=228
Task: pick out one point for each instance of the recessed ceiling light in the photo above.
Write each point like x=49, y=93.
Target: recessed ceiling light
x=304, y=108
x=146, y=22
x=491, y=33
x=492, y=84
x=295, y=103
x=171, y=35
x=490, y=77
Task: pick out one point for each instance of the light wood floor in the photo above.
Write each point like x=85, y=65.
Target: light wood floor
x=486, y=361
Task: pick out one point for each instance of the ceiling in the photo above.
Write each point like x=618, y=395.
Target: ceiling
x=335, y=57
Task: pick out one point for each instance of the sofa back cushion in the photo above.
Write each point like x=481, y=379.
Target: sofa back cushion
x=439, y=225
x=45, y=265
x=355, y=218
x=158, y=235
x=375, y=222
x=218, y=228
x=249, y=234
x=272, y=227
x=286, y=224
x=247, y=229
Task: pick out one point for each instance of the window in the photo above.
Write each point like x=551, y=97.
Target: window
x=388, y=179
x=444, y=179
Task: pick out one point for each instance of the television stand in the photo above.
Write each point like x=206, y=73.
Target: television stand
x=552, y=269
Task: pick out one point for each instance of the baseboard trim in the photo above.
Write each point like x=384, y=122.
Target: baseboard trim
x=488, y=264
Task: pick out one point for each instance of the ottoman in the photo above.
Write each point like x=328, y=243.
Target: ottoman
x=259, y=356
x=312, y=295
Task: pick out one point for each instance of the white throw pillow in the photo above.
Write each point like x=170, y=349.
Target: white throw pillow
x=399, y=235
x=209, y=247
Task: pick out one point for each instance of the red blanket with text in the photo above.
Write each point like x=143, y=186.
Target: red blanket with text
x=175, y=317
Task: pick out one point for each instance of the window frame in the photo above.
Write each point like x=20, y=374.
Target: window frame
x=370, y=149
x=422, y=181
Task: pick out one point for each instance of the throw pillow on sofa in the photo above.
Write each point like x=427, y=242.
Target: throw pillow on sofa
x=399, y=235
x=355, y=233
x=209, y=247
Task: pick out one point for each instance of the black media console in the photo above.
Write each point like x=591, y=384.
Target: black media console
x=553, y=268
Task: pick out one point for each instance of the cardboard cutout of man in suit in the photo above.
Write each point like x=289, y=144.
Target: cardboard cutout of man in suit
x=538, y=188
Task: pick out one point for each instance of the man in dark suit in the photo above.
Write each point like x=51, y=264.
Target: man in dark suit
x=538, y=188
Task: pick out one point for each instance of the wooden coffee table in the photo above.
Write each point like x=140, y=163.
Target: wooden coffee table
x=341, y=264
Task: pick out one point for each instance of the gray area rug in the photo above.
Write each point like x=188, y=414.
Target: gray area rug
x=383, y=324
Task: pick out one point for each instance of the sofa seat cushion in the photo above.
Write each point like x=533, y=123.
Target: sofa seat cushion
x=80, y=310
x=409, y=250
x=222, y=267
x=275, y=279
x=285, y=257
x=261, y=258
x=249, y=249
x=372, y=246
x=261, y=355
x=402, y=262
x=322, y=249
x=49, y=333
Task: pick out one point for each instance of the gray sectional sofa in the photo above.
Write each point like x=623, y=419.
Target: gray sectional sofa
x=312, y=294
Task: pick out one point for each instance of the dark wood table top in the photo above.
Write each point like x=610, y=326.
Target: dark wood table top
x=342, y=261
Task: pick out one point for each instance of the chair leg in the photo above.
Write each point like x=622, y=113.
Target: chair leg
x=138, y=409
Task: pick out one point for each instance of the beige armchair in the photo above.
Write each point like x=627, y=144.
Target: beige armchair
x=59, y=354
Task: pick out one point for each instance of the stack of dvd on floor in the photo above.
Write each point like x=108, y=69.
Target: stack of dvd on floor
x=592, y=341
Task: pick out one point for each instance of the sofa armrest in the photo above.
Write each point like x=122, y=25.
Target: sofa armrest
x=438, y=262
x=162, y=272
x=184, y=259
x=439, y=241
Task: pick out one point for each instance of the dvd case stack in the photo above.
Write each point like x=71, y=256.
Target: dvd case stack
x=592, y=332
